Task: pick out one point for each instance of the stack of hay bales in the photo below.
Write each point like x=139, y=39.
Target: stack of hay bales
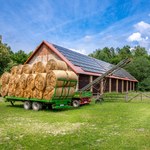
x=39, y=80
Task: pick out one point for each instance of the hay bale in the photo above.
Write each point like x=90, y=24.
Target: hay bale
x=48, y=93
x=54, y=64
x=28, y=93
x=14, y=70
x=4, y=90
x=71, y=77
x=23, y=81
x=31, y=81
x=19, y=69
x=11, y=90
x=63, y=92
x=34, y=68
x=40, y=81
x=37, y=93
x=54, y=75
x=40, y=67
x=27, y=68
x=13, y=83
x=5, y=78
x=19, y=92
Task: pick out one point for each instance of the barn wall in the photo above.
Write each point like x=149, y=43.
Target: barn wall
x=119, y=85
x=96, y=87
x=113, y=85
x=44, y=54
x=107, y=85
x=83, y=80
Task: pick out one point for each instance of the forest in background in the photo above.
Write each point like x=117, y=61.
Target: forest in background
x=139, y=66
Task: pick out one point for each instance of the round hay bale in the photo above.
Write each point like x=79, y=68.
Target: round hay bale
x=28, y=93
x=54, y=64
x=4, y=90
x=19, y=92
x=40, y=67
x=64, y=92
x=37, y=93
x=40, y=81
x=23, y=81
x=11, y=90
x=19, y=69
x=53, y=76
x=5, y=78
x=31, y=81
x=72, y=77
x=14, y=80
x=27, y=68
x=34, y=68
x=48, y=93
x=14, y=70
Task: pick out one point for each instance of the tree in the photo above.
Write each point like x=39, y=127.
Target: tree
x=5, y=58
x=19, y=57
x=139, y=68
x=139, y=51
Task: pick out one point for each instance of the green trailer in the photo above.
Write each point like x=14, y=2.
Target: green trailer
x=56, y=102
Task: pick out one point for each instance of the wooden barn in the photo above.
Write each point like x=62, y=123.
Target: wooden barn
x=87, y=68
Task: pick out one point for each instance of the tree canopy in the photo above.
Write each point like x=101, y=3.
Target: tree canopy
x=8, y=58
x=139, y=66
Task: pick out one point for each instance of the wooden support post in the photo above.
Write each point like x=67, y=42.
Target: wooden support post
x=127, y=86
x=117, y=85
x=133, y=86
x=91, y=79
x=109, y=85
x=102, y=86
x=122, y=88
x=130, y=85
x=77, y=86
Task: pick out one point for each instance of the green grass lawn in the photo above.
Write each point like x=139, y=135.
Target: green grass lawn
x=110, y=126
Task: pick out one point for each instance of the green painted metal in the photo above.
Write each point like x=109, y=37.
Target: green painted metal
x=82, y=94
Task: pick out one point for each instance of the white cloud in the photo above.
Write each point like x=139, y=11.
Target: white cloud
x=87, y=38
x=135, y=37
x=141, y=34
x=142, y=27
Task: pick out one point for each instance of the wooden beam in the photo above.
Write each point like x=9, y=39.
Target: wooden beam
x=102, y=87
x=91, y=79
x=109, y=85
x=127, y=86
x=117, y=85
x=122, y=88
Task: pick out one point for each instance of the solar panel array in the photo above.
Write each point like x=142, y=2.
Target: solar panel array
x=90, y=64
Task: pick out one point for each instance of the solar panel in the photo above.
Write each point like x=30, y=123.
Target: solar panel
x=90, y=64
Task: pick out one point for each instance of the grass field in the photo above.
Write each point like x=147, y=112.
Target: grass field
x=110, y=126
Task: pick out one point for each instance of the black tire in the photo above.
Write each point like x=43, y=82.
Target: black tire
x=36, y=106
x=27, y=105
x=75, y=103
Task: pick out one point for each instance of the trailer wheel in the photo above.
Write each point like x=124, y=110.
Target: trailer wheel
x=27, y=105
x=36, y=106
x=75, y=103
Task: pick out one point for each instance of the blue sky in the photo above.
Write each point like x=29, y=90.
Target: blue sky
x=82, y=25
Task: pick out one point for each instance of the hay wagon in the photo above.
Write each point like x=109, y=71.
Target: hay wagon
x=67, y=100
